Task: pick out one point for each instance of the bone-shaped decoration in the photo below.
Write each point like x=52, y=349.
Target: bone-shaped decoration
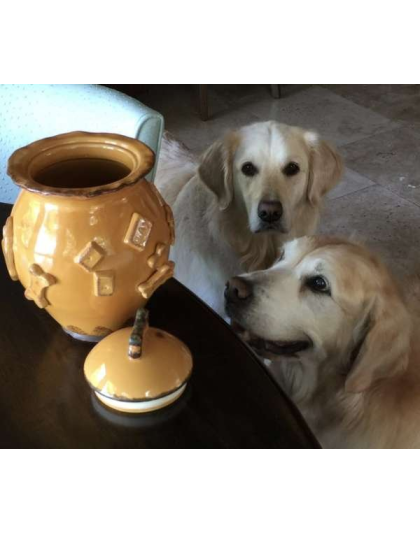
x=171, y=224
x=160, y=276
x=168, y=213
x=153, y=260
x=40, y=282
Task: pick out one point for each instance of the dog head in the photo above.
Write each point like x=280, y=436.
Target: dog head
x=329, y=311
x=267, y=170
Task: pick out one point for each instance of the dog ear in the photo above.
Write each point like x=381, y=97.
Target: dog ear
x=325, y=168
x=383, y=348
x=216, y=170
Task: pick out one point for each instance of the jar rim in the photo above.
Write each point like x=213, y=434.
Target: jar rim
x=134, y=154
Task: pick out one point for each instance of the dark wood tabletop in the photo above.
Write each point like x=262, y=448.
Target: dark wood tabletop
x=231, y=400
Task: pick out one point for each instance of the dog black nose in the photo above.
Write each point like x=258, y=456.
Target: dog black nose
x=237, y=290
x=270, y=210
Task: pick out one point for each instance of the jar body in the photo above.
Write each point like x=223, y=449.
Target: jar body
x=90, y=260
x=84, y=245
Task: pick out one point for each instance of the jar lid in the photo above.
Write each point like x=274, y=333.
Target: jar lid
x=140, y=369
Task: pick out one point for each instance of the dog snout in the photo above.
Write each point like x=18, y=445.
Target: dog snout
x=270, y=211
x=238, y=290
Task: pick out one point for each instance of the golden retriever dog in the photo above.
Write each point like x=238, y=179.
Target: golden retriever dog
x=252, y=190
x=346, y=340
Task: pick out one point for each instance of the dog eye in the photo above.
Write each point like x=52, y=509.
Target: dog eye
x=249, y=169
x=281, y=256
x=291, y=169
x=318, y=284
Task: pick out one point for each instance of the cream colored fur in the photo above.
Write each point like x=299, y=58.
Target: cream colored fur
x=358, y=384
x=215, y=204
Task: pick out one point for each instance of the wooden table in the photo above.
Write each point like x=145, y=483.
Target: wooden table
x=231, y=400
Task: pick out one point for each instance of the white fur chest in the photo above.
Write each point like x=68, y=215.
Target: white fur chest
x=203, y=259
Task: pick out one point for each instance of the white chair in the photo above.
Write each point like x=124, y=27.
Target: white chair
x=32, y=112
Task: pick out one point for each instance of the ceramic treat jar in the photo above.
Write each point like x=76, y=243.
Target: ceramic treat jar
x=88, y=237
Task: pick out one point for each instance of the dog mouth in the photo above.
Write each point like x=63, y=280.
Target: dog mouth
x=271, y=349
x=271, y=228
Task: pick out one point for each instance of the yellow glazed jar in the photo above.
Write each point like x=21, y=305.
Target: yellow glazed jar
x=88, y=237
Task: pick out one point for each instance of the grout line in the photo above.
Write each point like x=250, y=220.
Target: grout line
x=351, y=192
x=375, y=185
x=400, y=197
x=387, y=127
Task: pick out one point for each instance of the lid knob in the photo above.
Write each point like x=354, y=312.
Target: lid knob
x=135, y=343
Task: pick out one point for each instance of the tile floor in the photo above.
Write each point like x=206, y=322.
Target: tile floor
x=376, y=127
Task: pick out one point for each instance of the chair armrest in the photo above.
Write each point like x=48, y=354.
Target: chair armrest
x=29, y=112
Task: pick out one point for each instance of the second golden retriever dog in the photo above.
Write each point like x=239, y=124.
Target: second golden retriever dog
x=346, y=341
x=252, y=190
